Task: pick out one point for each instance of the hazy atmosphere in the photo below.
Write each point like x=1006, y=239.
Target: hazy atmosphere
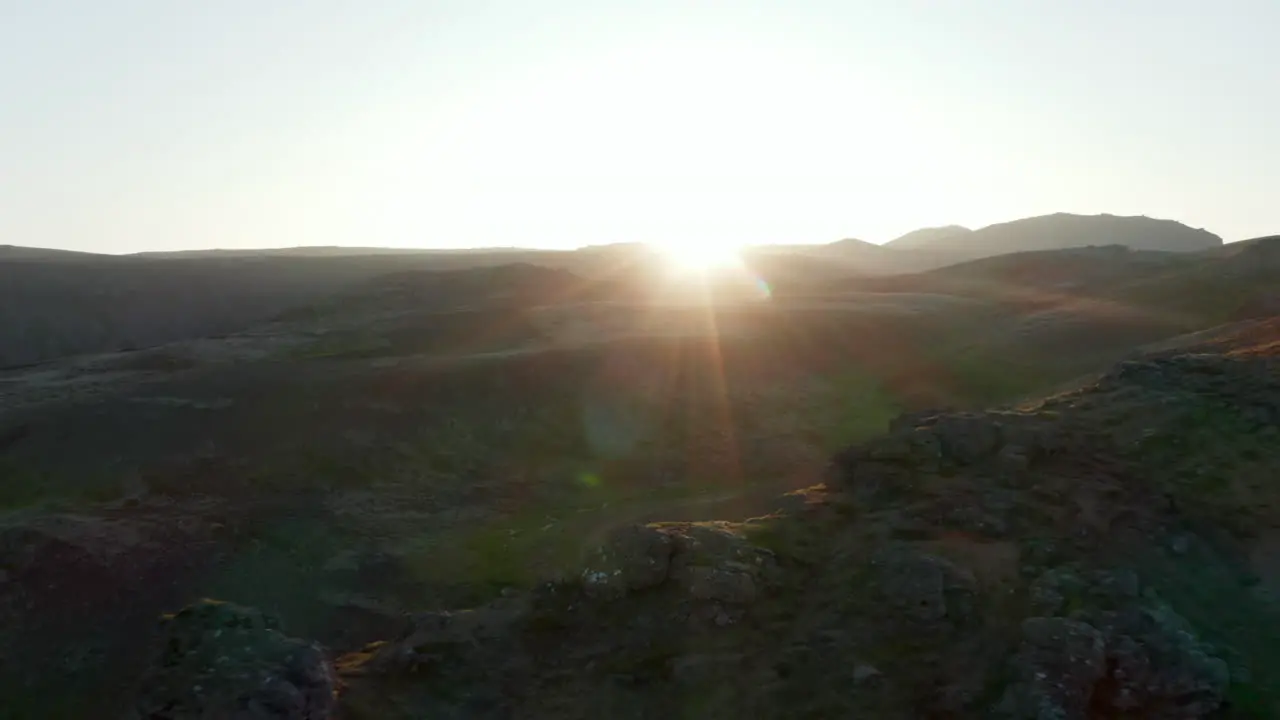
x=566, y=359
x=152, y=125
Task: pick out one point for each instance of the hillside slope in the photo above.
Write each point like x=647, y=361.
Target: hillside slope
x=64, y=304
x=1228, y=283
x=1109, y=552
x=66, y=307
x=34, y=254
x=1106, y=553
x=1045, y=317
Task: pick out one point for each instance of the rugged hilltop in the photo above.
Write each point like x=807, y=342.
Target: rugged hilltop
x=1107, y=552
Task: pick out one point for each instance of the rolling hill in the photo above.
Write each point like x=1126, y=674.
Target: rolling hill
x=56, y=303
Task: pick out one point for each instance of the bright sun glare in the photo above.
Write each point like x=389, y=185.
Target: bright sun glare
x=701, y=256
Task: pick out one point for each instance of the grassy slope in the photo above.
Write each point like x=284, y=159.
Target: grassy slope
x=474, y=474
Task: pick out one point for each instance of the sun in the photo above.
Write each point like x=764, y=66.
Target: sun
x=701, y=256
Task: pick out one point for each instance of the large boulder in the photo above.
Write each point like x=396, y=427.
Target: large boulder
x=226, y=662
x=968, y=438
x=1062, y=590
x=924, y=588
x=632, y=558
x=703, y=561
x=1058, y=666
x=434, y=641
x=1157, y=666
x=1119, y=651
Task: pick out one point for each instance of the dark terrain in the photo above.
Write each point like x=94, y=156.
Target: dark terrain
x=55, y=303
x=1109, y=552
x=371, y=442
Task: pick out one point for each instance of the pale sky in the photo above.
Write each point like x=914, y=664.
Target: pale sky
x=130, y=125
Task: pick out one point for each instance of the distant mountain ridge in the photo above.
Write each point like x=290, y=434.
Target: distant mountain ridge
x=1059, y=231
x=924, y=237
x=318, y=251
x=945, y=244
x=37, y=254
x=55, y=303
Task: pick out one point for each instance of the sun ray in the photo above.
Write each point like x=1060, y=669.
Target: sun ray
x=721, y=403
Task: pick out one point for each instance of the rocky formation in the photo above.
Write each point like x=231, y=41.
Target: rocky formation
x=1095, y=555
x=79, y=596
x=223, y=661
x=1103, y=648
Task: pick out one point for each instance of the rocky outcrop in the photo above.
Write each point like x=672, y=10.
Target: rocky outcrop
x=1104, y=648
x=642, y=593
x=224, y=661
x=924, y=588
x=1060, y=663
x=1050, y=562
x=1086, y=482
x=635, y=558
x=707, y=565
x=79, y=597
